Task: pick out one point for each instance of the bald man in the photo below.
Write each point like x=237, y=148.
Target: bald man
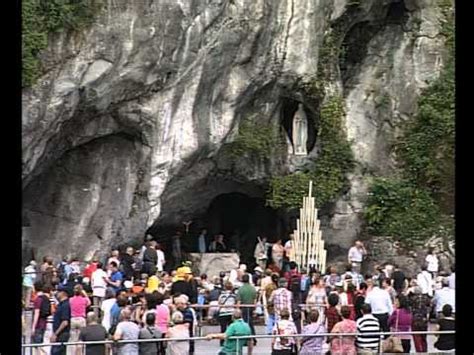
x=127, y=330
x=93, y=332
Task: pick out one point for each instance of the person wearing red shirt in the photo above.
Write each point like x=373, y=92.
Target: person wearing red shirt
x=332, y=314
x=351, y=296
x=39, y=317
x=90, y=268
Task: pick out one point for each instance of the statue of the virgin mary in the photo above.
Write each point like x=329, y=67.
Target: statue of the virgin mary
x=300, y=132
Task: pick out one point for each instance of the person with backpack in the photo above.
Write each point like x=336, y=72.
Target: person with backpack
x=149, y=331
x=284, y=345
x=42, y=310
x=227, y=301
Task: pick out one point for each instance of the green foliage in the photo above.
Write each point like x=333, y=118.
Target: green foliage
x=447, y=22
x=254, y=138
x=288, y=191
x=421, y=203
x=427, y=145
x=426, y=148
x=40, y=18
x=398, y=209
x=382, y=101
x=328, y=172
x=328, y=54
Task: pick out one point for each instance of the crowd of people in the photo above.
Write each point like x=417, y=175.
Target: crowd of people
x=131, y=295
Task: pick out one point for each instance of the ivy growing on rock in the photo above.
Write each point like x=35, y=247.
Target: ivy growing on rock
x=42, y=17
x=421, y=203
x=335, y=159
x=254, y=138
x=401, y=210
x=328, y=171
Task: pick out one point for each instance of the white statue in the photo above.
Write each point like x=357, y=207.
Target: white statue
x=300, y=132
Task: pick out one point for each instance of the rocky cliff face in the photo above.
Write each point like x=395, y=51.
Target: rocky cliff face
x=125, y=129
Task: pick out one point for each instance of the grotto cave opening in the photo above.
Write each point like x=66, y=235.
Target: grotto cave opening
x=241, y=218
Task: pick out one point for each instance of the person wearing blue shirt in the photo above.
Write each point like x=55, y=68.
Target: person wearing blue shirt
x=116, y=277
x=61, y=323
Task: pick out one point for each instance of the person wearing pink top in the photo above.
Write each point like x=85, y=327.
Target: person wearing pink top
x=344, y=345
x=78, y=304
x=162, y=319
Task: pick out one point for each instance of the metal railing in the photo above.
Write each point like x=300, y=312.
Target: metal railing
x=238, y=339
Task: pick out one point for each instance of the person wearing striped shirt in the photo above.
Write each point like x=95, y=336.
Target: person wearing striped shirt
x=366, y=343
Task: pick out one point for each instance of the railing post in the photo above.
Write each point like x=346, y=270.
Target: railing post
x=381, y=344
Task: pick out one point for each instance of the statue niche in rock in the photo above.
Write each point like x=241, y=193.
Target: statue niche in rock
x=300, y=132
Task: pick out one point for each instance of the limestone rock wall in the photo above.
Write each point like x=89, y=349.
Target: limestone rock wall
x=125, y=127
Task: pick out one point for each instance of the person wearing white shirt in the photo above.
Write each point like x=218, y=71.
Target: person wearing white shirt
x=432, y=262
x=289, y=248
x=202, y=244
x=115, y=258
x=106, y=307
x=29, y=279
x=235, y=276
x=260, y=253
x=452, y=279
x=161, y=258
x=444, y=296
x=425, y=281
x=356, y=255
x=381, y=305
x=99, y=286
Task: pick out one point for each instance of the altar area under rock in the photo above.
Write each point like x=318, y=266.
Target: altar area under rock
x=212, y=264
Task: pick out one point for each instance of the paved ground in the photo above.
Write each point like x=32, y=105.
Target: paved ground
x=264, y=345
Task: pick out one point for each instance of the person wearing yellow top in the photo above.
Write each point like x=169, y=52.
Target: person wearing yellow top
x=153, y=282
